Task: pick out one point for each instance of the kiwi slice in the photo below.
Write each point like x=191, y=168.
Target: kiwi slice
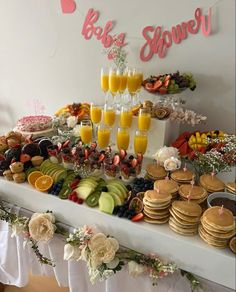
x=92, y=199
x=64, y=193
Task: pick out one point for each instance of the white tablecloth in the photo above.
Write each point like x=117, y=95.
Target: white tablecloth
x=16, y=262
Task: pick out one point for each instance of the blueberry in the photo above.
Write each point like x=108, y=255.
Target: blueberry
x=120, y=214
x=129, y=188
x=104, y=189
x=126, y=214
x=130, y=217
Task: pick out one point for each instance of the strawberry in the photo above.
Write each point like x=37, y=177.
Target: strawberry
x=66, y=143
x=93, y=145
x=86, y=153
x=134, y=162
x=73, y=151
x=59, y=145
x=24, y=158
x=137, y=217
x=116, y=159
x=162, y=90
x=157, y=85
x=101, y=157
x=73, y=194
x=140, y=157
x=166, y=83
x=123, y=153
x=74, y=184
x=178, y=142
x=80, y=201
x=167, y=77
x=184, y=149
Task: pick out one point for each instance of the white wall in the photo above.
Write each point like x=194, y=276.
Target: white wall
x=43, y=54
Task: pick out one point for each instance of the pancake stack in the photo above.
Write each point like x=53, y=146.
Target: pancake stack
x=217, y=226
x=167, y=186
x=156, y=207
x=183, y=176
x=211, y=183
x=155, y=171
x=231, y=187
x=197, y=193
x=185, y=217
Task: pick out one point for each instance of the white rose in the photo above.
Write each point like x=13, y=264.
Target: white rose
x=76, y=131
x=172, y=164
x=165, y=153
x=135, y=269
x=71, y=121
x=103, y=249
x=71, y=252
x=17, y=229
x=41, y=227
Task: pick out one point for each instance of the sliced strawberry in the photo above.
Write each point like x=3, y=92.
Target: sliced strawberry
x=167, y=77
x=179, y=142
x=137, y=217
x=93, y=145
x=59, y=145
x=184, y=149
x=108, y=149
x=125, y=169
x=86, y=153
x=73, y=151
x=66, y=143
x=157, y=85
x=166, y=83
x=162, y=90
x=149, y=87
x=101, y=157
x=116, y=159
x=24, y=158
x=134, y=162
x=123, y=153
x=140, y=157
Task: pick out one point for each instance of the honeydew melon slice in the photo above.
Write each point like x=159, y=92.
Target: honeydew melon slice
x=115, y=190
x=106, y=203
x=84, y=191
x=117, y=200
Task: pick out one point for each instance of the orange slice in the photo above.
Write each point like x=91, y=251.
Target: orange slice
x=33, y=176
x=44, y=183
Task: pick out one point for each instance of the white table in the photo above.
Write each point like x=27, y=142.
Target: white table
x=189, y=253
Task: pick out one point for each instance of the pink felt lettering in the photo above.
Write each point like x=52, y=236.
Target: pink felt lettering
x=158, y=42
x=103, y=34
x=68, y=6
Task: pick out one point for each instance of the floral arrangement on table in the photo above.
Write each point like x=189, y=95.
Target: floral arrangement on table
x=103, y=254
x=208, y=151
x=168, y=157
x=117, y=54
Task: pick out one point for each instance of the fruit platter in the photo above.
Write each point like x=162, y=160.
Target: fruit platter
x=171, y=83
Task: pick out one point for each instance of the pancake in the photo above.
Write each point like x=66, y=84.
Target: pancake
x=182, y=176
x=211, y=183
x=155, y=171
x=155, y=221
x=155, y=197
x=167, y=185
x=187, y=208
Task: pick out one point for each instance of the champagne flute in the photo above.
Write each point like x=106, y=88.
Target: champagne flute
x=126, y=117
x=86, y=131
x=144, y=119
x=105, y=81
x=109, y=115
x=140, y=142
x=104, y=133
x=114, y=83
x=95, y=114
x=122, y=138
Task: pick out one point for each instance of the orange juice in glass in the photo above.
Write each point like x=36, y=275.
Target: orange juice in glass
x=144, y=119
x=140, y=142
x=86, y=131
x=105, y=79
x=123, y=82
x=104, y=134
x=114, y=81
x=132, y=81
x=126, y=117
x=95, y=113
x=109, y=115
x=122, y=138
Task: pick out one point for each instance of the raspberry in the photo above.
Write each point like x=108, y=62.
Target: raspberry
x=80, y=201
